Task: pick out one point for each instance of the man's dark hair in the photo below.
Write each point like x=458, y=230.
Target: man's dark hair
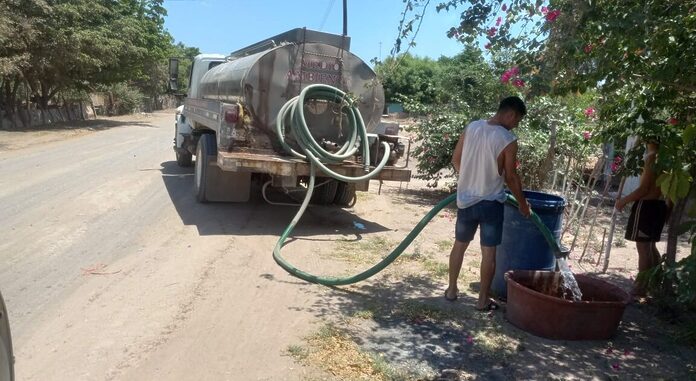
x=513, y=103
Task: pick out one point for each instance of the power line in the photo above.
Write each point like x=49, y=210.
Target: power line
x=326, y=15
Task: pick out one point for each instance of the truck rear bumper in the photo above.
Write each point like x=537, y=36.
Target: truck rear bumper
x=285, y=166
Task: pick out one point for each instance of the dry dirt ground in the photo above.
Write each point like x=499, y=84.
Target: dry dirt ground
x=113, y=272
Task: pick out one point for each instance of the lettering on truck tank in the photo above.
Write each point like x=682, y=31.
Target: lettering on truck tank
x=317, y=71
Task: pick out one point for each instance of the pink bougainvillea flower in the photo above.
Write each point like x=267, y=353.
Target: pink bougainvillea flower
x=614, y=167
x=587, y=135
x=618, y=160
x=498, y=21
x=469, y=339
x=504, y=7
x=492, y=31
x=487, y=46
x=518, y=83
x=588, y=48
x=544, y=10
x=514, y=70
x=551, y=16
x=505, y=78
x=590, y=112
x=615, y=366
x=673, y=121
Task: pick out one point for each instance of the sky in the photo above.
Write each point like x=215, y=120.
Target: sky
x=222, y=26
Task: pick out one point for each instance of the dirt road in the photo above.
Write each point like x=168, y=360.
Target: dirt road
x=111, y=270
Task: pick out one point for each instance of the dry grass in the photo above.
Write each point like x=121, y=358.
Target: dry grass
x=435, y=268
x=363, y=196
x=444, y=245
x=494, y=343
x=333, y=351
x=364, y=251
x=416, y=311
x=367, y=314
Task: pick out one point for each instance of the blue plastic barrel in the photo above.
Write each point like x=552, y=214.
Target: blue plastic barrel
x=523, y=246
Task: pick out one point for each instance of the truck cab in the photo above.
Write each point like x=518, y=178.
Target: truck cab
x=182, y=129
x=201, y=64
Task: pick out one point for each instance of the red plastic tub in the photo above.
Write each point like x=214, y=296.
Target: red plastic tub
x=534, y=305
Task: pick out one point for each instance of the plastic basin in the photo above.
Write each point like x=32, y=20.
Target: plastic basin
x=534, y=305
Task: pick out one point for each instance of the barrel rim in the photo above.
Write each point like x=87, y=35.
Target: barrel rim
x=543, y=201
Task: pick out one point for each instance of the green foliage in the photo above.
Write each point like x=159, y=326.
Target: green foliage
x=185, y=55
x=17, y=30
x=447, y=94
x=409, y=76
x=467, y=78
x=438, y=134
x=554, y=126
x=126, y=99
x=674, y=285
x=635, y=52
x=73, y=46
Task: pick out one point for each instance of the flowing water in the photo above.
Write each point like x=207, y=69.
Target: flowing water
x=570, y=285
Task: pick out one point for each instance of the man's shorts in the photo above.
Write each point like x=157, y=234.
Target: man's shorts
x=646, y=221
x=489, y=214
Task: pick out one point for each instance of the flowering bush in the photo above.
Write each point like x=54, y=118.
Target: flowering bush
x=573, y=138
x=437, y=136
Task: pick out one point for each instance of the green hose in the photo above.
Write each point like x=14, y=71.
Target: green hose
x=292, y=111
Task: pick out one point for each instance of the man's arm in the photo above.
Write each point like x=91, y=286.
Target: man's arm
x=457, y=155
x=512, y=179
x=647, y=182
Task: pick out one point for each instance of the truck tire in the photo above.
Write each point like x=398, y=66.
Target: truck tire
x=184, y=158
x=6, y=355
x=204, y=152
x=324, y=194
x=345, y=194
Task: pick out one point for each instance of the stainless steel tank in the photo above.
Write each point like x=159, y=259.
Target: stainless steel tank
x=264, y=81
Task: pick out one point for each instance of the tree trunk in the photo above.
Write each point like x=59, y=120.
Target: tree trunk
x=110, y=107
x=9, y=97
x=547, y=165
x=672, y=231
x=675, y=219
x=67, y=108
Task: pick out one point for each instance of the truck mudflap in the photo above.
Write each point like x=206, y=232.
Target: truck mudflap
x=287, y=166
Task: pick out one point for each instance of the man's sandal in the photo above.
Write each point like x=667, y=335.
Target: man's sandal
x=491, y=306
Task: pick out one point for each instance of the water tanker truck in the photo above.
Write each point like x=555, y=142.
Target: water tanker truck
x=233, y=120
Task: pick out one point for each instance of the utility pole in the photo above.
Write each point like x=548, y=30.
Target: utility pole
x=345, y=17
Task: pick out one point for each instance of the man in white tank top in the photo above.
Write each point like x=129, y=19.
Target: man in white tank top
x=485, y=158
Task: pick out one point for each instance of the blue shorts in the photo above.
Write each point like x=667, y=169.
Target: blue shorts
x=489, y=214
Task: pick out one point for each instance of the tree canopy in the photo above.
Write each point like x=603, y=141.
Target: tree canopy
x=51, y=46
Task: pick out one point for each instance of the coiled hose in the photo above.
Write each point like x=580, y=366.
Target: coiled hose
x=293, y=111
